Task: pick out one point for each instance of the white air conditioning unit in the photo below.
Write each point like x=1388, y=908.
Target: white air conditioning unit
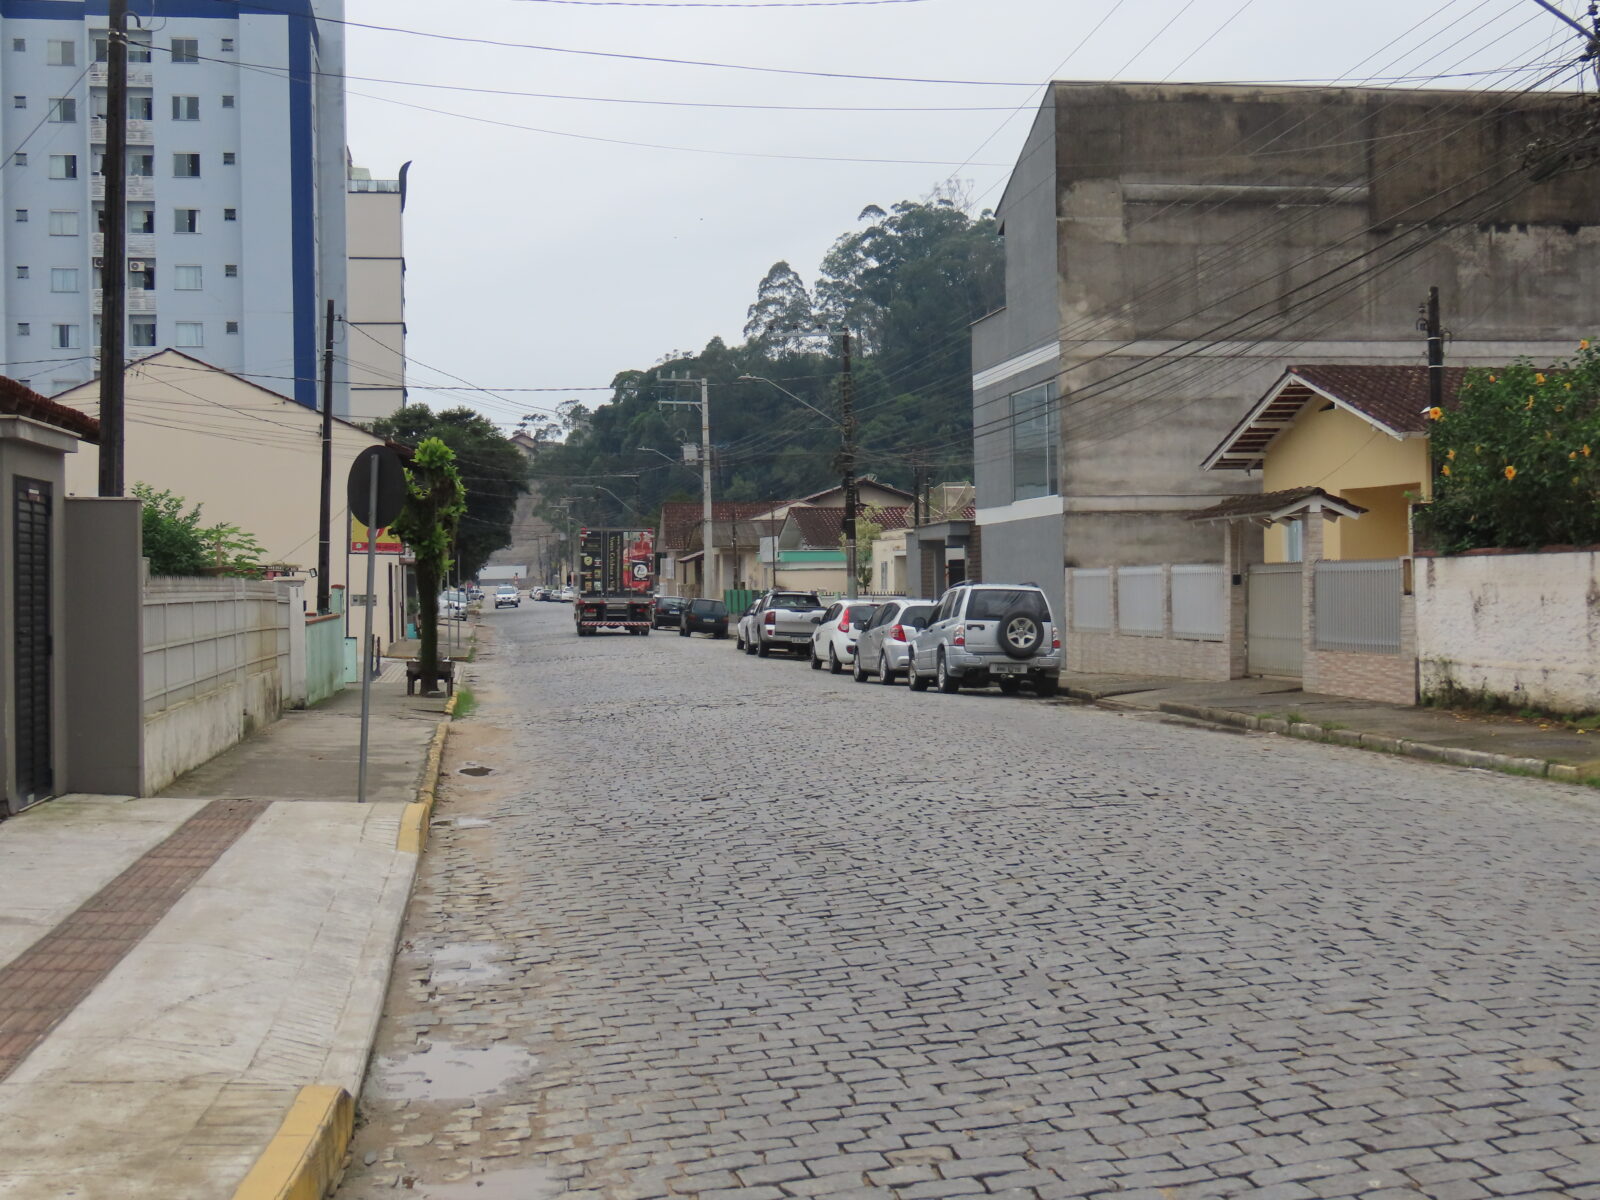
x=136, y=265
x=99, y=264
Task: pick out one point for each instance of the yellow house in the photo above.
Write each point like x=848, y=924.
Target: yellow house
x=1357, y=432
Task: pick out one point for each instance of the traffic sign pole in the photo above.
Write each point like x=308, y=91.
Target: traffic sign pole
x=376, y=489
x=366, y=643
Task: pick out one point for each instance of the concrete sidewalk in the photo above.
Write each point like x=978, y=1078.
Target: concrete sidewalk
x=179, y=975
x=1489, y=741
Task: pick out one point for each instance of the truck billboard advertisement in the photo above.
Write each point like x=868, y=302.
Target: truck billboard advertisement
x=616, y=562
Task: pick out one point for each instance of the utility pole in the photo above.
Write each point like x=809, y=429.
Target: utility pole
x=707, y=526
x=1428, y=323
x=847, y=428
x=114, y=253
x=325, y=508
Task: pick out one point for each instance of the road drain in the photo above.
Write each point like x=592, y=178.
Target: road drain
x=476, y=769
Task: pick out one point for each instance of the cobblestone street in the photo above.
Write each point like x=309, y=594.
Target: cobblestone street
x=722, y=926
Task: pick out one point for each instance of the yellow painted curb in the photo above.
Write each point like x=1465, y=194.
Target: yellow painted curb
x=303, y=1160
x=414, y=820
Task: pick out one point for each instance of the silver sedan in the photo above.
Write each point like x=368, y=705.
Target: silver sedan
x=883, y=648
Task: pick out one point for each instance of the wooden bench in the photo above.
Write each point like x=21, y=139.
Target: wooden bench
x=447, y=672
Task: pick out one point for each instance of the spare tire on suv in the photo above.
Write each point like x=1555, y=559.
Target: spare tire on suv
x=1021, y=633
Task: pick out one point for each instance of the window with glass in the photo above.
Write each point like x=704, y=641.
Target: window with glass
x=141, y=218
x=19, y=43
x=63, y=166
x=138, y=45
x=1034, y=435
x=186, y=279
x=185, y=50
x=141, y=108
x=186, y=220
x=229, y=158
x=24, y=329
x=142, y=332
x=63, y=224
x=188, y=334
x=19, y=102
x=63, y=279
x=186, y=166
x=230, y=327
x=22, y=272
x=20, y=158
x=230, y=270
x=61, y=54
x=63, y=110
x=64, y=337
x=186, y=108
x=20, y=215
x=142, y=166
x=227, y=102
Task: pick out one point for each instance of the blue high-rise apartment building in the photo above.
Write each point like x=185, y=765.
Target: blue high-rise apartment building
x=236, y=185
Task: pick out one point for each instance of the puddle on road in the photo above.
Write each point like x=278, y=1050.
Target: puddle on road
x=446, y=1072
x=475, y=769
x=523, y=1183
x=468, y=962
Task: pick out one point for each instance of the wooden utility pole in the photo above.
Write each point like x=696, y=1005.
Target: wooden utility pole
x=847, y=461
x=325, y=505
x=114, y=253
x=1430, y=325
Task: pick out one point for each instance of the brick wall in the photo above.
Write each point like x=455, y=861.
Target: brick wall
x=1384, y=678
x=975, y=555
x=1112, y=653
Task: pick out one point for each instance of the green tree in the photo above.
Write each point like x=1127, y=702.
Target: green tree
x=493, y=470
x=782, y=313
x=435, y=504
x=1517, y=461
x=176, y=543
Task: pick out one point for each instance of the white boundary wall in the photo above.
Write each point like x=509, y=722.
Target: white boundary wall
x=1523, y=627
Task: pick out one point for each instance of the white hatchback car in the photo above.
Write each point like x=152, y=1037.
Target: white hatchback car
x=834, y=641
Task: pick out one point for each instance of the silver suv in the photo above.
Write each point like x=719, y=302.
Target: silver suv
x=985, y=633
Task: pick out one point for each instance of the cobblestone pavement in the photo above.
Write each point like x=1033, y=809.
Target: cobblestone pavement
x=721, y=926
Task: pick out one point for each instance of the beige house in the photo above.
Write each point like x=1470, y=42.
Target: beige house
x=249, y=457
x=375, y=314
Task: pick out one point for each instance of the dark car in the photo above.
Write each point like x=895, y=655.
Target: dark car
x=704, y=616
x=668, y=610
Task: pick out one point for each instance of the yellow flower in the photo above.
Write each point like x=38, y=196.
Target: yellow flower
x=1586, y=450
x=1583, y=345
x=1561, y=408
x=1538, y=376
x=1451, y=455
x=1435, y=413
x=1491, y=379
x=1568, y=386
x=1574, y=454
x=1529, y=404
x=1445, y=470
x=1511, y=472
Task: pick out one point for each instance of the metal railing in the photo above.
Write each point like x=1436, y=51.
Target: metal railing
x=1199, y=602
x=1358, y=605
x=1091, y=599
x=1141, y=601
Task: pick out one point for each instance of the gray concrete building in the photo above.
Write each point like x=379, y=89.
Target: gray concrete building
x=1170, y=248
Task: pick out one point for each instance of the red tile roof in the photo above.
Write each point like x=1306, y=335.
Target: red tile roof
x=821, y=528
x=19, y=401
x=1391, y=397
x=680, y=519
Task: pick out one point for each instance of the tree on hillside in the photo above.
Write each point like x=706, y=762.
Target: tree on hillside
x=493, y=471
x=782, y=314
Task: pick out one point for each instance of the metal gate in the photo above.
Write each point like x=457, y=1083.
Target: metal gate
x=1272, y=627
x=32, y=645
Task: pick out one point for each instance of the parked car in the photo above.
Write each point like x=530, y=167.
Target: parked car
x=834, y=639
x=704, y=616
x=985, y=633
x=745, y=626
x=507, y=596
x=883, y=647
x=668, y=610
x=568, y=594
x=453, y=605
x=782, y=621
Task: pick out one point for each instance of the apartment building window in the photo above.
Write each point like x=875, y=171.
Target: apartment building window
x=141, y=219
x=61, y=54
x=63, y=166
x=63, y=224
x=22, y=272
x=63, y=110
x=186, y=108
x=141, y=108
x=20, y=158
x=24, y=329
x=186, y=220
x=185, y=50
x=63, y=279
x=143, y=275
x=142, y=165
x=230, y=327
x=19, y=43
x=227, y=45
x=230, y=270
x=1034, y=426
x=188, y=334
x=64, y=337
x=138, y=45
x=186, y=166
x=186, y=279
x=230, y=214
x=19, y=102
x=227, y=102
x=142, y=331
x=20, y=215
x=229, y=158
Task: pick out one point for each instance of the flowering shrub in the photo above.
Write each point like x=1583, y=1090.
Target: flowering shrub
x=1517, y=461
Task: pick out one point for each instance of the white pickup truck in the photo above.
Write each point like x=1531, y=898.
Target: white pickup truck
x=782, y=621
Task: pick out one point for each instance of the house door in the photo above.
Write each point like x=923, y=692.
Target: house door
x=32, y=646
x=1272, y=624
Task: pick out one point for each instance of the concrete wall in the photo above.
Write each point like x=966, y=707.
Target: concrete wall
x=1522, y=627
x=1179, y=208
x=34, y=451
x=377, y=272
x=104, y=647
x=325, y=655
x=215, y=660
x=1024, y=551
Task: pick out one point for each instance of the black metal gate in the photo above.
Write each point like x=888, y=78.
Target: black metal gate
x=31, y=608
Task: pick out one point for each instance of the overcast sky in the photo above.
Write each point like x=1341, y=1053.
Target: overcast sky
x=542, y=260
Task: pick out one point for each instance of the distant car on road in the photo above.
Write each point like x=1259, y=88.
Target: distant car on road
x=986, y=633
x=538, y=593
x=704, y=616
x=507, y=597
x=782, y=620
x=667, y=610
x=834, y=639
x=884, y=646
x=568, y=595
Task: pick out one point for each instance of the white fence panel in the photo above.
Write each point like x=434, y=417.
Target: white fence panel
x=1091, y=599
x=1358, y=605
x=1141, y=601
x=1199, y=602
x=200, y=634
